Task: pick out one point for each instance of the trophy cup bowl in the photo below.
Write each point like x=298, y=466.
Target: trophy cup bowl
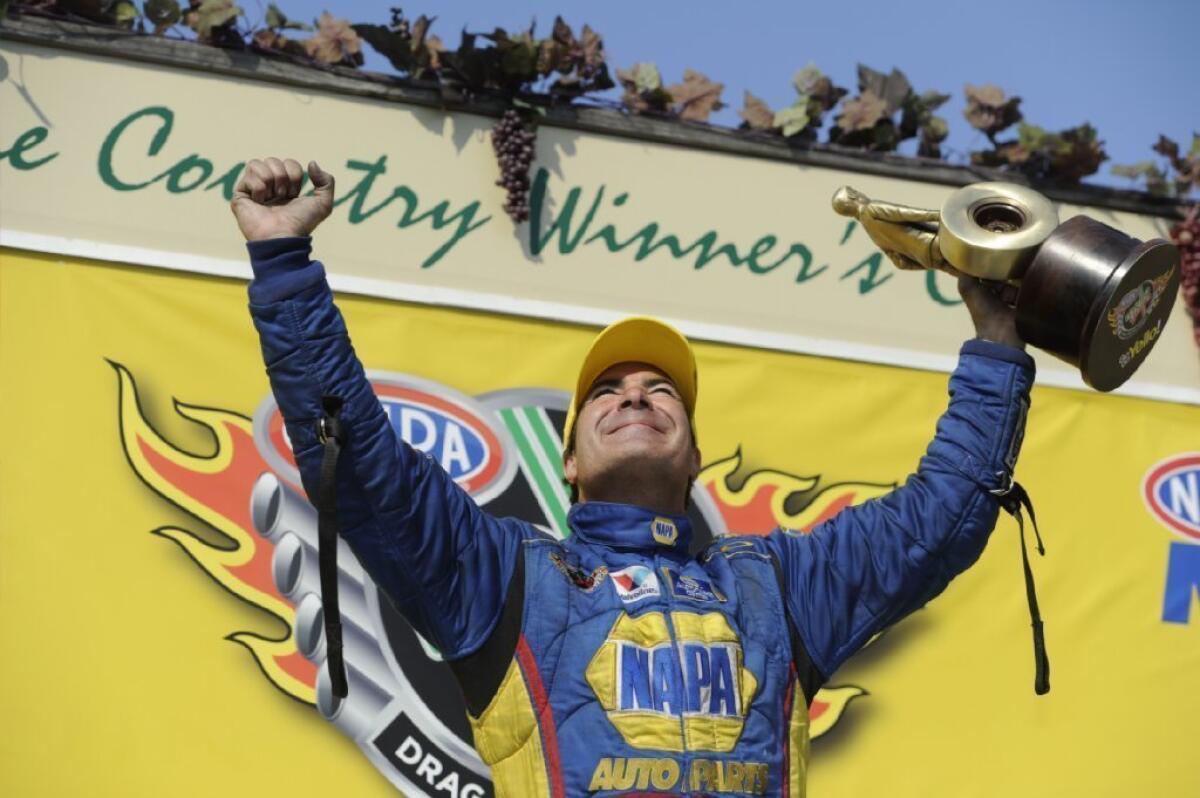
x=1084, y=291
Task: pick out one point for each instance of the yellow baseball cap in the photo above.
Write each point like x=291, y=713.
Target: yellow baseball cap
x=637, y=339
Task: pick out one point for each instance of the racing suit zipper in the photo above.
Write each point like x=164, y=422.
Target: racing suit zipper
x=677, y=661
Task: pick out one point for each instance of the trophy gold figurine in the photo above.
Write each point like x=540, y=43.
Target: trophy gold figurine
x=1083, y=291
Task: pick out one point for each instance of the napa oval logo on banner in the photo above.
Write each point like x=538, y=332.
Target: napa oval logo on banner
x=451, y=427
x=1171, y=490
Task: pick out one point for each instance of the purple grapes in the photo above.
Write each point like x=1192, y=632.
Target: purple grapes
x=1186, y=236
x=513, y=144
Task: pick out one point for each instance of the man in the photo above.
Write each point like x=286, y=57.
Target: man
x=613, y=663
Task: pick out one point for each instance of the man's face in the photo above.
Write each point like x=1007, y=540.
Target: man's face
x=632, y=425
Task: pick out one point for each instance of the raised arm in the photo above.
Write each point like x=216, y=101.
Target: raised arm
x=444, y=563
x=873, y=564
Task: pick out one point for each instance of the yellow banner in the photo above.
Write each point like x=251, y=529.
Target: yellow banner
x=731, y=248
x=156, y=577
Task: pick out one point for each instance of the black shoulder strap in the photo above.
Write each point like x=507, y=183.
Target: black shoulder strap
x=480, y=674
x=331, y=435
x=810, y=678
x=1013, y=498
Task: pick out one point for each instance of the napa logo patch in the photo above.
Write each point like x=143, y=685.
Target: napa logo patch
x=691, y=588
x=634, y=583
x=658, y=702
x=664, y=531
x=646, y=681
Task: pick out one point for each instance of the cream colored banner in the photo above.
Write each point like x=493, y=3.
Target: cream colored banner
x=134, y=163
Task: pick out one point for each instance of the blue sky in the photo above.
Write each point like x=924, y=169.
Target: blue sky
x=1132, y=69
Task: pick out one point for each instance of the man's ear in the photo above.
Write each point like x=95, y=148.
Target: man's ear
x=570, y=472
x=697, y=460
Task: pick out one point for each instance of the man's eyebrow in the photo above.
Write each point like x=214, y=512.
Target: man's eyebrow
x=611, y=382
x=615, y=383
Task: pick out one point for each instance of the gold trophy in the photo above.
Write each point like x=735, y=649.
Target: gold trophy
x=1083, y=291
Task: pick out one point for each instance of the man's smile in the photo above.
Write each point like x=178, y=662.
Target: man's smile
x=625, y=424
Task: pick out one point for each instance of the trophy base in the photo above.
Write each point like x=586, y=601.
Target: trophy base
x=1098, y=299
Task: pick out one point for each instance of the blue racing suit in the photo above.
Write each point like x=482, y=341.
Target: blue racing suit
x=613, y=663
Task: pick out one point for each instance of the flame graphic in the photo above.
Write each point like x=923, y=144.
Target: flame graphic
x=827, y=707
x=758, y=506
x=216, y=489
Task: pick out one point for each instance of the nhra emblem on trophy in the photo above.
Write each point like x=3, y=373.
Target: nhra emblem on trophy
x=1083, y=291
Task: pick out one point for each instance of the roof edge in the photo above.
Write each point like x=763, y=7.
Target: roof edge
x=129, y=46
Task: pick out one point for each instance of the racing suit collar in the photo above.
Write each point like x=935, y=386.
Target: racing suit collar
x=629, y=526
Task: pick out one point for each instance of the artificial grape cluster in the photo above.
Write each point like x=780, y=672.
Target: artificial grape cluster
x=1186, y=236
x=513, y=143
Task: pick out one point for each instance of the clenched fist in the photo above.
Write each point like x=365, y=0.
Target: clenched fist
x=267, y=201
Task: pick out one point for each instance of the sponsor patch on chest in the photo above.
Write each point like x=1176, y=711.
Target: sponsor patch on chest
x=674, y=682
x=691, y=588
x=649, y=680
x=584, y=580
x=635, y=582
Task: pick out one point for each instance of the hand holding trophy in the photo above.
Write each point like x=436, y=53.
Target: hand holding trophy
x=1083, y=291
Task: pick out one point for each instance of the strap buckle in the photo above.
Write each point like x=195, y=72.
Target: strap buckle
x=329, y=428
x=1006, y=487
